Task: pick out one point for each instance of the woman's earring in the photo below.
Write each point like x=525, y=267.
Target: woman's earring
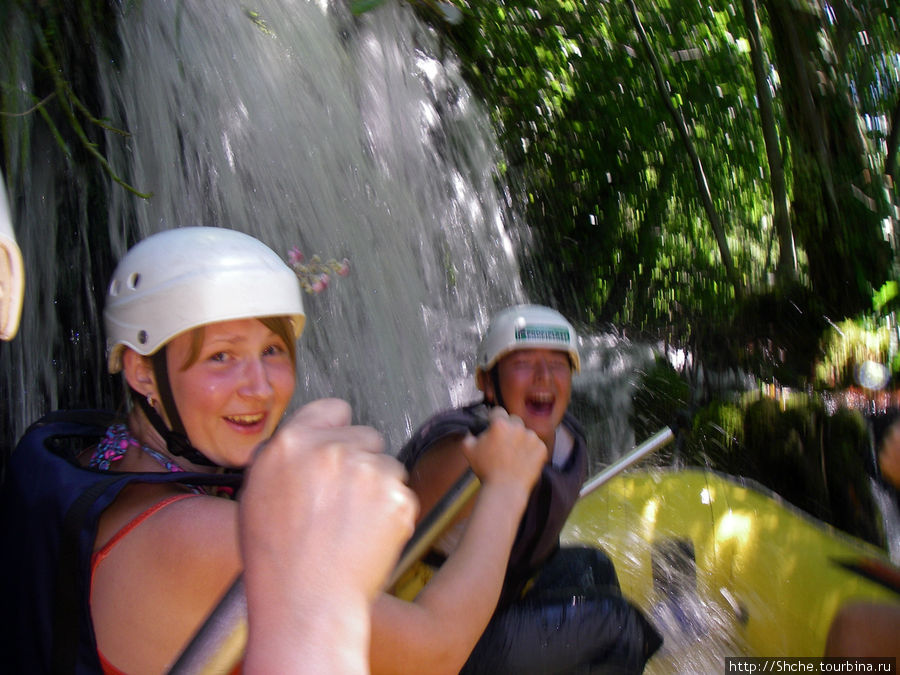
x=150, y=400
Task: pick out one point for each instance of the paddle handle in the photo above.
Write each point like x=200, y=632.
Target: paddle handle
x=652, y=444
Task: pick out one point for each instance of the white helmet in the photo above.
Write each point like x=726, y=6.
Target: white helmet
x=526, y=327
x=187, y=277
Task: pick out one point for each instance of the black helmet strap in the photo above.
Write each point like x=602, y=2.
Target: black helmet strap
x=495, y=380
x=176, y=438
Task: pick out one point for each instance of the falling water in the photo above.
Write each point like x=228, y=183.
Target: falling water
x=349, y=139
x=890, y=518
x=308, y=128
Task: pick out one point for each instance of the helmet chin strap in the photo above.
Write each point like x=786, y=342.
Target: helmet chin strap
x=176, y=438
x=495, y=380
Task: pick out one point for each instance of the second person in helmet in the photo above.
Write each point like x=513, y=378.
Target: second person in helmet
x=524, y=365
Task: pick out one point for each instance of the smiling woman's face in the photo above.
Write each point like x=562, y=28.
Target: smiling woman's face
x=536, y=385
x=233, y=395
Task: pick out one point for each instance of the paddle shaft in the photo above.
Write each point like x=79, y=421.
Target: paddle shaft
x=220, y=643
x=462, y=492
x=435, y=522
x=652, y=444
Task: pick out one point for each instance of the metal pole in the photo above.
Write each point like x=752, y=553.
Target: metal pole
x=652, y=444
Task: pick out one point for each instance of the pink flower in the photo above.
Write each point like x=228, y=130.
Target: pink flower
x=344, y=269
x=295, y=256
x=320, y=284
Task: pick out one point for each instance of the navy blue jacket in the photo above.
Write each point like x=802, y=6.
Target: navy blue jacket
x=50, y=506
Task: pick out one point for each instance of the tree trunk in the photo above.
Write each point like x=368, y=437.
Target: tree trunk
x=837, y=206
x=786, y=269
x=890, y=160
x=697, y=166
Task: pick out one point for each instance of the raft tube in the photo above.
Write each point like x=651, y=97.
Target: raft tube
x=724, y=567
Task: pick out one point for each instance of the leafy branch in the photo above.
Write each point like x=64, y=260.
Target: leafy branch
x=70, y=103
x=77, y=116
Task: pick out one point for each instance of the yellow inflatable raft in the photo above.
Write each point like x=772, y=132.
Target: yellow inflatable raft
x=724, y=567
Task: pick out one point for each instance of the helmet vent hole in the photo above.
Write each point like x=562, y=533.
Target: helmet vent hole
x=114, y=287
x=134, y=280
x=142, y=337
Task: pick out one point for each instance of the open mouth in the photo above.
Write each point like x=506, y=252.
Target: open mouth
x=540, y=403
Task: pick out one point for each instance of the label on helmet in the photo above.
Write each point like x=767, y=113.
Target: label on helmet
x=542, y=334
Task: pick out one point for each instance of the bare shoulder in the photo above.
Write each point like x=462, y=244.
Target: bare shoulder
x=172, y=567
x=137, y=500
x=191, y=529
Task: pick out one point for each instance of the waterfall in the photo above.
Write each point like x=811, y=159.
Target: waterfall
x=349, y=139
x=304, y=126
x=890, y=518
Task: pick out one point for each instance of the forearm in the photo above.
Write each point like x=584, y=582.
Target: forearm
x=307, y=633
x=472, y=577
x=437, y=632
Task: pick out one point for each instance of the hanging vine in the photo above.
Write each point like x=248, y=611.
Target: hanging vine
x=44, y=20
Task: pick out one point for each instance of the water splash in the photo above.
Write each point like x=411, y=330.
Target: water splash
x=602, y=393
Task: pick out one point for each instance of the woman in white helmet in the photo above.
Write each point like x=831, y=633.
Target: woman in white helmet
x=115, y=554
x=201, y=322
x=572, y=614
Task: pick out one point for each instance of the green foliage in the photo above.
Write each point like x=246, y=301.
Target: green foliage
x=660, y=396
x=621, y=234
x=847, y=483
x=716, y=433
x=790, y=444
x=601, y=175
x=445, y=10
x=849, y=346
x=885, y=300
x=55, y=30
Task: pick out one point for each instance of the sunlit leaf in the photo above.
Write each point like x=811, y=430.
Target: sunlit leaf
x=884, y=295
x=362, y=6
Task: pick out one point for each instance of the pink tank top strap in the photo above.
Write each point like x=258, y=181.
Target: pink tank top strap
x=99, y=556
x=107, y=667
